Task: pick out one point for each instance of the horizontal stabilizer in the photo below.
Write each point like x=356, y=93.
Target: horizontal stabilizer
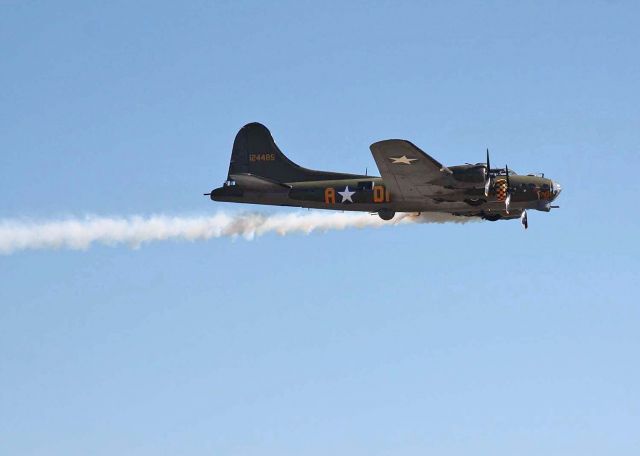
x=257, y=183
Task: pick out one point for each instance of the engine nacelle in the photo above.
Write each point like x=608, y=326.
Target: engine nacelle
x=471, y=175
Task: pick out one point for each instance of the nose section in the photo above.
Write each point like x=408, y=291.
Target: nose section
x=556, y=188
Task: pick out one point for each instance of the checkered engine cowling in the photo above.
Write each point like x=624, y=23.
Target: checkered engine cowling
x=500, y=188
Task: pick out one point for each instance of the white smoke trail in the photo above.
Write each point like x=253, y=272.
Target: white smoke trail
x=80, y=234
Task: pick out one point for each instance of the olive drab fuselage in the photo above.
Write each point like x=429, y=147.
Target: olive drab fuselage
x=412, y=181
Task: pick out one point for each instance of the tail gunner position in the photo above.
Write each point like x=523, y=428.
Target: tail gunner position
x=411, y=181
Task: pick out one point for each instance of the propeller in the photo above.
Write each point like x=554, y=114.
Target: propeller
x=507, y=201
x=487, y=182
x=523, y=219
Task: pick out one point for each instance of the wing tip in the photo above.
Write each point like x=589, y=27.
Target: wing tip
x=389, y=142
x=380, y=146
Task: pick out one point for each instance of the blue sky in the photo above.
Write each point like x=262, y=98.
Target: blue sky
x=446, y=339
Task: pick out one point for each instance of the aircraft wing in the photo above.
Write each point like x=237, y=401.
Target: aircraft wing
x=408, y=172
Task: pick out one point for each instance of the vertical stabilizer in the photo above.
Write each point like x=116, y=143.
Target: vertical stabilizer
x=256, y=153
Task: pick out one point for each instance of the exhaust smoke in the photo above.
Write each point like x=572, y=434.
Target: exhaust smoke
x=81, y=233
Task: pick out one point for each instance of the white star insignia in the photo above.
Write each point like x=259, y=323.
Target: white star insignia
x=404, y=160
x=346, y=195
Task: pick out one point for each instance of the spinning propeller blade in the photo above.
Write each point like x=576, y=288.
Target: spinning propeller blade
x=487, y=176
x=507, y=201
x=523, y=219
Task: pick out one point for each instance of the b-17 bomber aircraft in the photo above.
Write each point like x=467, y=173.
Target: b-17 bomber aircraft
x=411, y=181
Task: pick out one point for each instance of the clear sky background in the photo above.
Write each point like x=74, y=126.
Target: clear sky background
x=426, y=339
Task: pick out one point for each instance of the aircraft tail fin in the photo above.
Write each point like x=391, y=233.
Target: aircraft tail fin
x=256, y=153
